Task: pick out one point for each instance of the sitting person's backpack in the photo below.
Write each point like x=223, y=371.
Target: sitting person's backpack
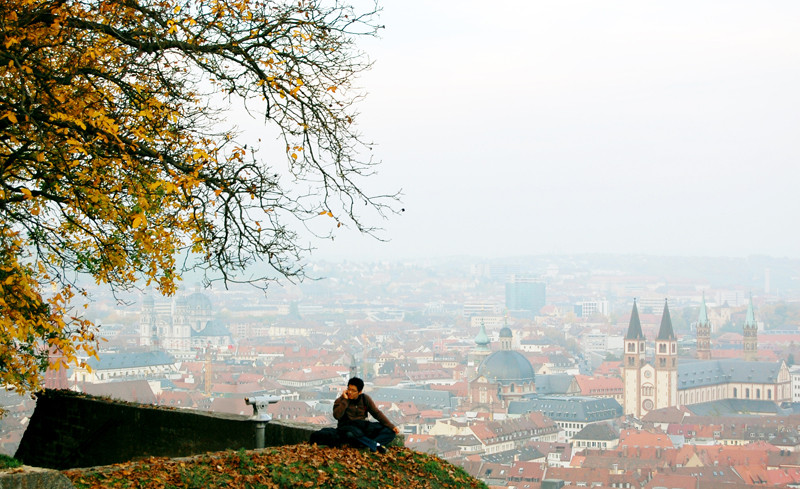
x=328, y=437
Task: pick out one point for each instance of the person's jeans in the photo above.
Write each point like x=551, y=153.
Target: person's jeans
x=367, y=433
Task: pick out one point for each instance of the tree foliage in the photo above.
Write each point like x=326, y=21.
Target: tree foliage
x=117, y=157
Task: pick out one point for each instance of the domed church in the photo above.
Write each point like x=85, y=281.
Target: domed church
x=502, y=376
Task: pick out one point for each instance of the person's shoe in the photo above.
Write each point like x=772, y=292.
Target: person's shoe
x=381, y=449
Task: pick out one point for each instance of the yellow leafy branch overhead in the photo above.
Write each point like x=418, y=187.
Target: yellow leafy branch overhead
x=114, y=159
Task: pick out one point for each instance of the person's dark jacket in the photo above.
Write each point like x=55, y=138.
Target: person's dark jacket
x=347, y=411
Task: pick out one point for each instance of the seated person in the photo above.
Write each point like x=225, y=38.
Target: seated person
x=351, y=409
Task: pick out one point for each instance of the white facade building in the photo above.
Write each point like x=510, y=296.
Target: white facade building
x=794, y=371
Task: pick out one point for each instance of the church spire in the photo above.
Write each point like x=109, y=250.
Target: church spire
x=751, y=317
x=633, y=361
x=703, y=329
x=635, y=326
x=666, y=365
x=750, y=333
x=703, y=318
x=665, y=332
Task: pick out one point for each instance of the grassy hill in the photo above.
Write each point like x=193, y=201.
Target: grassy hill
x=283, y=467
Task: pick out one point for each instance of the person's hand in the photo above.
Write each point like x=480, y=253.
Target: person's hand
x=397, y=430
x=345, y=395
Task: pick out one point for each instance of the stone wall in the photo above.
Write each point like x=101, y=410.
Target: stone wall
x=69, y=430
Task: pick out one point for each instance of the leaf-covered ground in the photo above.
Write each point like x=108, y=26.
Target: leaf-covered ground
x=283, y=467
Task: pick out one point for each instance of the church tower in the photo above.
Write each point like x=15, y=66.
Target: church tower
x=632, y=364
x=506, y=337
x=703, y=329
x=750, y=333
x=353, y=366
x=147, y=321
x=479, y=353
x=666, y=365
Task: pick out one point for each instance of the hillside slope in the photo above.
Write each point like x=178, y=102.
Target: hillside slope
x=291, y=466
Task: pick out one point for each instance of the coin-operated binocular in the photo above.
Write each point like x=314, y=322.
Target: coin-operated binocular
x=260, y=404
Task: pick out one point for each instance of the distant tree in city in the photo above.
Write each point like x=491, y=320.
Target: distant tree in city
x=779, y=315
x=119, y=162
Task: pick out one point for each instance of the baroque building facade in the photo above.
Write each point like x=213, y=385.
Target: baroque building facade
x=502, y=376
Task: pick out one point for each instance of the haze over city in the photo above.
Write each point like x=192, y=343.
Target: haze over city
x=591, y=276
x=571, y=127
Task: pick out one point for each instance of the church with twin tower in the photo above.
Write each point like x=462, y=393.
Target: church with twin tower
x=657, y=384
x=649, y=386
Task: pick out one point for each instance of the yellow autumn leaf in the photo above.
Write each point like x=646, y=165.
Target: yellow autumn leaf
x=26, y=193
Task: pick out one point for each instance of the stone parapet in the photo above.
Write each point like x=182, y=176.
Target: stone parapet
x=70, y=430
x=27, y=477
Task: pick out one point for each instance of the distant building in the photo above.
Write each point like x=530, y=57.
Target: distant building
x=601, y=387
x=183, y=326
x=471, y=309
x=587, y=309
x=596, y=436
x=558, y=385
x=525, y=294
x=703, y=329
x=124, y=366
x=713, y=380
x=750, y=334
x=647, y=385
x=492, y=322
x=502, y=376
x=795, y=373
x=596, y=341
x=572, y=414
x=427, y=398
x=649, y=305
x=664, y=383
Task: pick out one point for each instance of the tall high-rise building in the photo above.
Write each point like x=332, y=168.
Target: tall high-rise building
x=525, y=294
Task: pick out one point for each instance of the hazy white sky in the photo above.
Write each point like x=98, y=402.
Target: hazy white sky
x=585, y=126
